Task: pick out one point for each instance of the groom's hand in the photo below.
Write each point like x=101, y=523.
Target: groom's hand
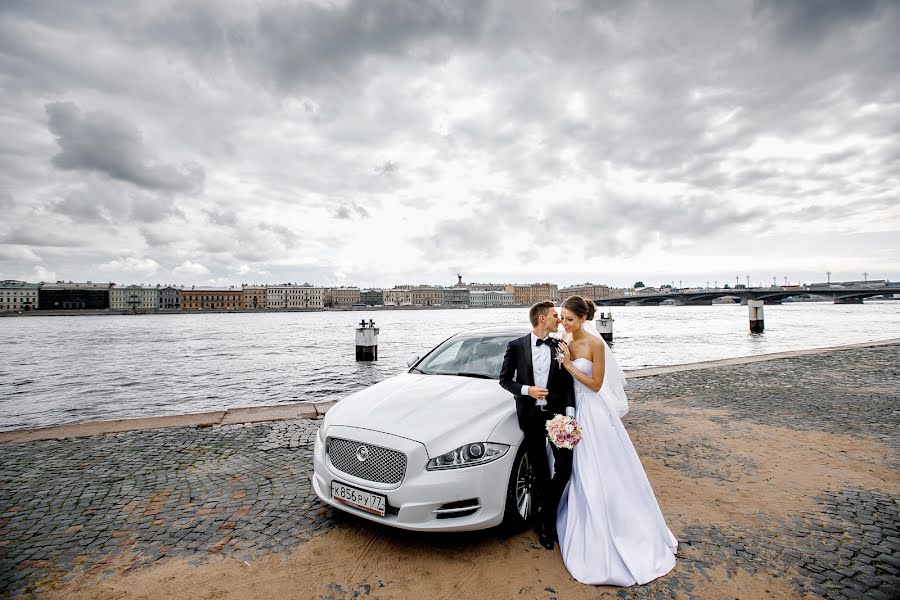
x=538, y=393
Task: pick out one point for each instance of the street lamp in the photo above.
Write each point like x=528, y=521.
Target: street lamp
x=866, y=277
x=828, y=274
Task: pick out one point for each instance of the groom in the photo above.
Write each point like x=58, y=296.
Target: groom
x=531, y=373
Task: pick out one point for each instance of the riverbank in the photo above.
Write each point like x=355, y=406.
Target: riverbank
x=116, y=312
x=778, y=477
x=313, y=410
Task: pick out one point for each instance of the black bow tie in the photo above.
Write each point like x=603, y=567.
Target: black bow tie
x=549, y=341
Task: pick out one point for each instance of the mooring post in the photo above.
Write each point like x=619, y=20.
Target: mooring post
x=605, y=327
x=367, y=341
x=757, y=321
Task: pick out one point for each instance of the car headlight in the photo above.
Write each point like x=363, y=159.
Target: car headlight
x=469, y=455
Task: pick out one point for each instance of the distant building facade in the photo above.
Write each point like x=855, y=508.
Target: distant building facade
x=373, y=297
x=133, y=297
x=591, y=291
x=292, y=296
x=169, y=298
x=254, y=297
x=210, y=298
x=342, y=297
x=491, y=298
x=66, y=295
x=531, y=293
x=426, y=295
x=18, y=296
x=456, y=296
x=398, y=296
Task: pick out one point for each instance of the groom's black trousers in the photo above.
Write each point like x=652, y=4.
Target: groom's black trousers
x=547, y=491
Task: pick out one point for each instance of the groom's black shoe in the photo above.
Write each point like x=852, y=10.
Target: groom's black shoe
x=545, y=537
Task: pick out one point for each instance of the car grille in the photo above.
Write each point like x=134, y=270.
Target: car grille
x=381, y=465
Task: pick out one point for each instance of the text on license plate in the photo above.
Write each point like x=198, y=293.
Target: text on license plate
x=351, y=496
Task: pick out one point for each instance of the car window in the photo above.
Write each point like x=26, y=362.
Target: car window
x=447, y=356
x=470, y=355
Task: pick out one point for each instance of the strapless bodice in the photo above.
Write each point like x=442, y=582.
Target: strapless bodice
x=584, y=365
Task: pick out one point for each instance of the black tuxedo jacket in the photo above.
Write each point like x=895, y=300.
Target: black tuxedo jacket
x=518, y=371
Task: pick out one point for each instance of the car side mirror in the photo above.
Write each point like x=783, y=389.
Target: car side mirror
x=412, y=359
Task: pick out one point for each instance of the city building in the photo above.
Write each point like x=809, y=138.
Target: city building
x=373, y=297
x=18, y=296
x=488, y=298
x=133, y=297
x=293, y=296
x=66, y=295
x=398, y=296
x=592, y=291
x=456, y=296
x=342, y=297
x=253, y=297
x=210, y=298
x=426, y=295
x=169, y=298
x=531, y=293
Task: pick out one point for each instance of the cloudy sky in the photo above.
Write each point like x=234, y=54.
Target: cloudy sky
x=377, y=142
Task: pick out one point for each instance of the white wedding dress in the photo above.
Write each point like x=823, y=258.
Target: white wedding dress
x=611, y=531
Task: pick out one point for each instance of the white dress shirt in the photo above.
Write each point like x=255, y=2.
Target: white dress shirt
x=540, y=364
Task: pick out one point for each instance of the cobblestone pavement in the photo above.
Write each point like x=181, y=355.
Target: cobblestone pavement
x=82, y=505
x=137, y=497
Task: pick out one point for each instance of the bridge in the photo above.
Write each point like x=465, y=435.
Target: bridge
x=770, y=295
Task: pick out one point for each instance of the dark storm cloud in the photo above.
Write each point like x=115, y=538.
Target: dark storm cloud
x=286, y=235
x=289, y=45
x=218, y=216
x=114, y=203
x=44, y=237
x=387, y=168
x=105, y=143
x=808, y=22
x=349, y=210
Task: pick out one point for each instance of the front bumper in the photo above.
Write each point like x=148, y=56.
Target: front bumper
x=412, y=503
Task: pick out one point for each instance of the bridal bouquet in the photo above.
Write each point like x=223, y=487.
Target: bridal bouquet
x=563, y=431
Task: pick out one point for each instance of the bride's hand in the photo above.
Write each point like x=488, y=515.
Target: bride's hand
x=567, y=354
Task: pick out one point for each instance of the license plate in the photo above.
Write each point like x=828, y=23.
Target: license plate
x=351, y=496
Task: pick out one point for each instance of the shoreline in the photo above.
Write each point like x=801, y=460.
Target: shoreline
x=109, y=312
x=314, y=410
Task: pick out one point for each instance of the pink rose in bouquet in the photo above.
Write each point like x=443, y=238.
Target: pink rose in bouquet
x=563, y=431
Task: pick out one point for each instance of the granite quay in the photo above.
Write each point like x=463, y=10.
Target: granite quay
x=780, y=479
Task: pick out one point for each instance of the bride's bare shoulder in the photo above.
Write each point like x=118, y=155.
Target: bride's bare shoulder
x=598, y=349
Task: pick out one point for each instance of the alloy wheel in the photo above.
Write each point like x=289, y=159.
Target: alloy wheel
x=524, y=485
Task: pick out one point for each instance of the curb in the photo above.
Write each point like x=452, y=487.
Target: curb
x=233, y=416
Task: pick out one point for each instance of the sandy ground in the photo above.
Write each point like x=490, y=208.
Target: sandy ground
x=364, y=560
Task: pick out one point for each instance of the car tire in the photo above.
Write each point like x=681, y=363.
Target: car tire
x=519, y=510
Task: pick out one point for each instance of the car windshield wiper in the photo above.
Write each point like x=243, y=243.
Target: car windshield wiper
x=418, y=370
x=475, y=375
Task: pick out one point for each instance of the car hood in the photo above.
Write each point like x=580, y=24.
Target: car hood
x=442, y=412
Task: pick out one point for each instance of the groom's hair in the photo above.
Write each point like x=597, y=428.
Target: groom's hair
x=539, y=309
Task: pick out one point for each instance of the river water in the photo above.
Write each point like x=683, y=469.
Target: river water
x=73, y=369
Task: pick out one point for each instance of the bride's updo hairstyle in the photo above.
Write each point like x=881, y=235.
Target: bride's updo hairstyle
x=581, y=307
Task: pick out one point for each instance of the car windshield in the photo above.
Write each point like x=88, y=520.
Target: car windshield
x=471, y=355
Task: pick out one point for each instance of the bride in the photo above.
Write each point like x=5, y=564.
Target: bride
x=611, y=531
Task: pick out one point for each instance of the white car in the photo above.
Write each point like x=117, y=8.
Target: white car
x=437, y=448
